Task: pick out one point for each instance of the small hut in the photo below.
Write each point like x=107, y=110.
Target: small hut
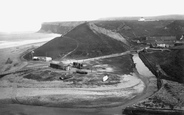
x=77, y=65
x=59, y=65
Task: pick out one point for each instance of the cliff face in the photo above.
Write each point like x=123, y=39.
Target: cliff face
x=107, y=32
x=59, y=27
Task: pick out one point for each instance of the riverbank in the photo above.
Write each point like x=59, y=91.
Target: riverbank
x=169, y=98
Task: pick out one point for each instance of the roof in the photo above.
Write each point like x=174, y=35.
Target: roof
x=164, y=42
x=180, y=42
x=162, y=38
x=55, y=62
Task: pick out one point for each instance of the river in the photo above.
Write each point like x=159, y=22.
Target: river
x=141, y=68
x=17, y=109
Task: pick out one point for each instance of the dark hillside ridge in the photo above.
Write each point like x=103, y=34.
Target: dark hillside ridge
x=127, y=28
x=172, y=63
x=59, y=27
x=82, y=42
x=133, y=28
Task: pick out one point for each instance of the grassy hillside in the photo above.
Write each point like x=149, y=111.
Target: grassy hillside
x=171, y=62
x=134, y=28
x=176, y=27
x=82, y=42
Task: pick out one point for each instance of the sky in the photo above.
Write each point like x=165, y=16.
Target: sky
x=27, y=15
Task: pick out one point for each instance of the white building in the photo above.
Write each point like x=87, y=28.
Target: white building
x=41, y=58
x=141, y=19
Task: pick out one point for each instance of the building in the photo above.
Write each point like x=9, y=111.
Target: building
x=161, y=41
x=59, y=65
x=162, y=44
x=141, y=19
x=77, y=65
x=41, y=58
x=81, y=72
x=179, y=43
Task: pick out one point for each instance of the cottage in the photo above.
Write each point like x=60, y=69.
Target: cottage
x=179, y=43
x=141, y=19
x=77, y=65
x=35, y=58
x=55, y=65
x=41, y=58
x=163, y=44
x=162, y=38
x=59, y=65
x=81, y=72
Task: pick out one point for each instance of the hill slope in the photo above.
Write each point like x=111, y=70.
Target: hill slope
x=134, y=28
x=171, y=63
x=81, y=42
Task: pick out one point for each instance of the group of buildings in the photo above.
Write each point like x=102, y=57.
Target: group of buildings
x=160, y=41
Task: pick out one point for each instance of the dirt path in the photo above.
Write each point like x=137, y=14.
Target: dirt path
x=72, y=50
x=67, y=61
x=15, y=54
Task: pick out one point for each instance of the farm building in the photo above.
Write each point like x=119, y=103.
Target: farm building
x=59, y=65
x=41, y=58
x=179, y=43
x=163, y=44
x=139, y=39
x=81, y=72
x=77, y=65
x=141, y=19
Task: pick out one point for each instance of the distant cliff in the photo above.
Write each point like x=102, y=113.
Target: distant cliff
x=59, y=27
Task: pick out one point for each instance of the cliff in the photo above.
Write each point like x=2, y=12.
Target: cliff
x=59, y=27
x=107, y=32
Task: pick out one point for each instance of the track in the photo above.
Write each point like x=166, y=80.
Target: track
x=72, y=50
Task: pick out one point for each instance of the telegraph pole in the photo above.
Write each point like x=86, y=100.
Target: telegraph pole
x=32, y=52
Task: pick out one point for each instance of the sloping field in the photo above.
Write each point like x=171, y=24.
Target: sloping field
x=81, y=42
x=171, y=62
